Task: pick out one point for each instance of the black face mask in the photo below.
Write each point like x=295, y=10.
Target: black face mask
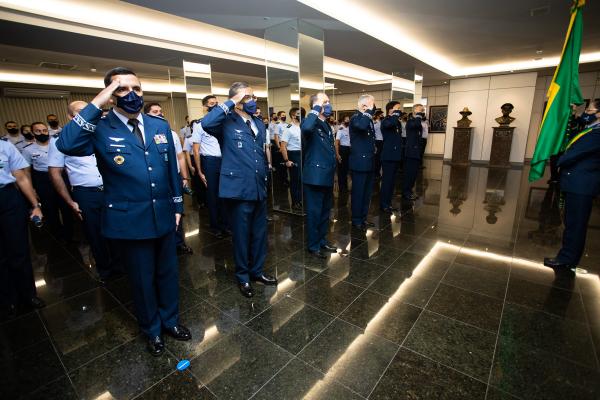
x=210, y=108
x=421, y=114
x=42, y=138
x=53, y=124
x=282, y=119
x=28, y=135
x=13, y=131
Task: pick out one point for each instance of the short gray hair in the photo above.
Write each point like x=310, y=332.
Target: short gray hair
x=363, y=98
x=236, y=87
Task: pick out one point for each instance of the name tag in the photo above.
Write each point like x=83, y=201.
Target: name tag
x=160, y=138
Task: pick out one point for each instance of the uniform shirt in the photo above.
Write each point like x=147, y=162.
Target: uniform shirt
x=178, y=148
x=125, y=120
x=273, y=129
x=425, y=131
x=37, y=156
x=209, y=145
x=185, y=132
x=82, y=171
x=253, y=125
x=18, y=141
x=10, y=160
x=403, y=128
x=188, y=145
x=290, y=134
x=378, y=134
x=54, y=132
x=343, y=135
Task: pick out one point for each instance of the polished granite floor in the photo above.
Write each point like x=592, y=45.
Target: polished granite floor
x=447, y=301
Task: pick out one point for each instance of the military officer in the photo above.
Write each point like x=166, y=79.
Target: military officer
x=362, y=152
x=412, y=151
x=27, y=135
x=291, y=152
x=243, y=181
x=55, y=128
x=579, y=168
x=318, y=174
x=86, y=197
x=207, y=155
x=53, y=206
x=13, y=135
x=391, y=154
x=342, y=150
x=143, y=203
x=17, y=285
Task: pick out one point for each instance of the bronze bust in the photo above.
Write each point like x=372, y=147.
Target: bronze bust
x=464, y=122
x=505, y=119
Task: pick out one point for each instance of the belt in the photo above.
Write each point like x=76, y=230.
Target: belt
x=203, y=156
x=88, y=188
x=7, y=185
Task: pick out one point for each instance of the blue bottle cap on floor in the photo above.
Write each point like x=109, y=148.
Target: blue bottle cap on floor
x=183, y=364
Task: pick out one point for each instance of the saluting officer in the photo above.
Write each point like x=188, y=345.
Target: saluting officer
x=36, y=154
x=207, y=156
x=579, y=168
x=243, y=181
x=412, y=151
x=362, y=152
x=17, y=285
x=86, y=197
x=391, y=154
x=318, y=175
x=291, y=152
x=143, y=203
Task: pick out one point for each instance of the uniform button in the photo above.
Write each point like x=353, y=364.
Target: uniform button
x=152, y=184
x=149, y=168
x=146, y=153
x=119, y=150
x=154, y=200
x=257, y=171
x=110, y=206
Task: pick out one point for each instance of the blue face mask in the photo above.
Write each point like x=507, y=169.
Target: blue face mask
x=588, y=118
x=250, y=107
x=327, y=110
x=130, y=103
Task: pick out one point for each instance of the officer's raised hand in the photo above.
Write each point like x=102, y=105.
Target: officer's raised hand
x=105, y=95
x=240, y=95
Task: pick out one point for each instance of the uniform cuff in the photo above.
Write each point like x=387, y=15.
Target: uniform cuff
x=88, y=117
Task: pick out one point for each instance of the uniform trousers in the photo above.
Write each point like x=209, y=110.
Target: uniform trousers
x=53, y=207
x=578, y=208
x=152, y=268
x=211, y=167
x=377, y=157
x=249, y=234
x=16, y=273
x=362, y=187
x=388, y=181
x=411, y=169
x=318, y=203
x=343, y=168
x=295, y=156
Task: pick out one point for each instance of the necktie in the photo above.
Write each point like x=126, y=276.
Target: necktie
x=136, y=130
x=250, y=127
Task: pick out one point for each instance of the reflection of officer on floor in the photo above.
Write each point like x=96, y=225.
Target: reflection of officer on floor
x=549, y=218
x=16, y=284
x=579, y=170
x=143, y=203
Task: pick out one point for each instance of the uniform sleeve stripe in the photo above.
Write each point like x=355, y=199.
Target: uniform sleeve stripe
x=224, y=108
x=314, y=112
x=84, y=124
x=178, y=199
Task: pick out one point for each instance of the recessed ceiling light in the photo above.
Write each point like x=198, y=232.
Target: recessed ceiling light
x=539, y=51
x=445, y=82
x=93, y=70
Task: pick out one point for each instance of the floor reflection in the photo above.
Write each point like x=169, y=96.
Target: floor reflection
x=447, y=299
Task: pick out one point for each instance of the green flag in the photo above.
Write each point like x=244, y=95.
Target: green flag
x=564, y=91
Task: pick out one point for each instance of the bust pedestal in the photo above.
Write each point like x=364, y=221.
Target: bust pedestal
x=461, y=146
x=501, y=145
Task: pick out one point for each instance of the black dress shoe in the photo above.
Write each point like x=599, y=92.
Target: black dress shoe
x=246, y=289
x=184, y=249
x=265, y=280
x=329, y=247
x=37, y=303
x=318, y=254
x=156, y=346
x=179, y=332
x=554, y=263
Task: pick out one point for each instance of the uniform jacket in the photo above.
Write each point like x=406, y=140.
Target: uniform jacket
x=141, y=186
x=391, y=129
x=412, y=147
x=362, y=139
x=318, y=150
x=243, y=166
x=580, y=165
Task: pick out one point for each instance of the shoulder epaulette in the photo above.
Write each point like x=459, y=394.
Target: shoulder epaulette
x=27, y=145
x=4, y=138
x=289, y=125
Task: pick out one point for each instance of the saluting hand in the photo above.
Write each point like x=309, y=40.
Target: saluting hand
x=239, y=96
x=104, y=96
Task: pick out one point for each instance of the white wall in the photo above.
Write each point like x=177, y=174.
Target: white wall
x=484, y=96
x=590, y=89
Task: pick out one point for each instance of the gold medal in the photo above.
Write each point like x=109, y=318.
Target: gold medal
x=119, y=160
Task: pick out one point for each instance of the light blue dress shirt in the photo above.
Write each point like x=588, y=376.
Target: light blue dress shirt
x=10, y=160
x=82, y=171
x=292, y=137
x=209, y=145
x=37, y=156
x=343, y=135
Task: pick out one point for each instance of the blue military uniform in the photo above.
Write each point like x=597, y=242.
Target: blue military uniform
x=412, y=155
x=17, y=284
x=362, y=153
x=391, y=156
x=142, y=193
x=580, y=181
x=243, y=183
x=318, y=176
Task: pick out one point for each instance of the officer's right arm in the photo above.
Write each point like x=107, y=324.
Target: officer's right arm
x=308, y=124
x=388, y=123
x=76, y=136
x=586, y=146
x=213, y=121
x=360, y=122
